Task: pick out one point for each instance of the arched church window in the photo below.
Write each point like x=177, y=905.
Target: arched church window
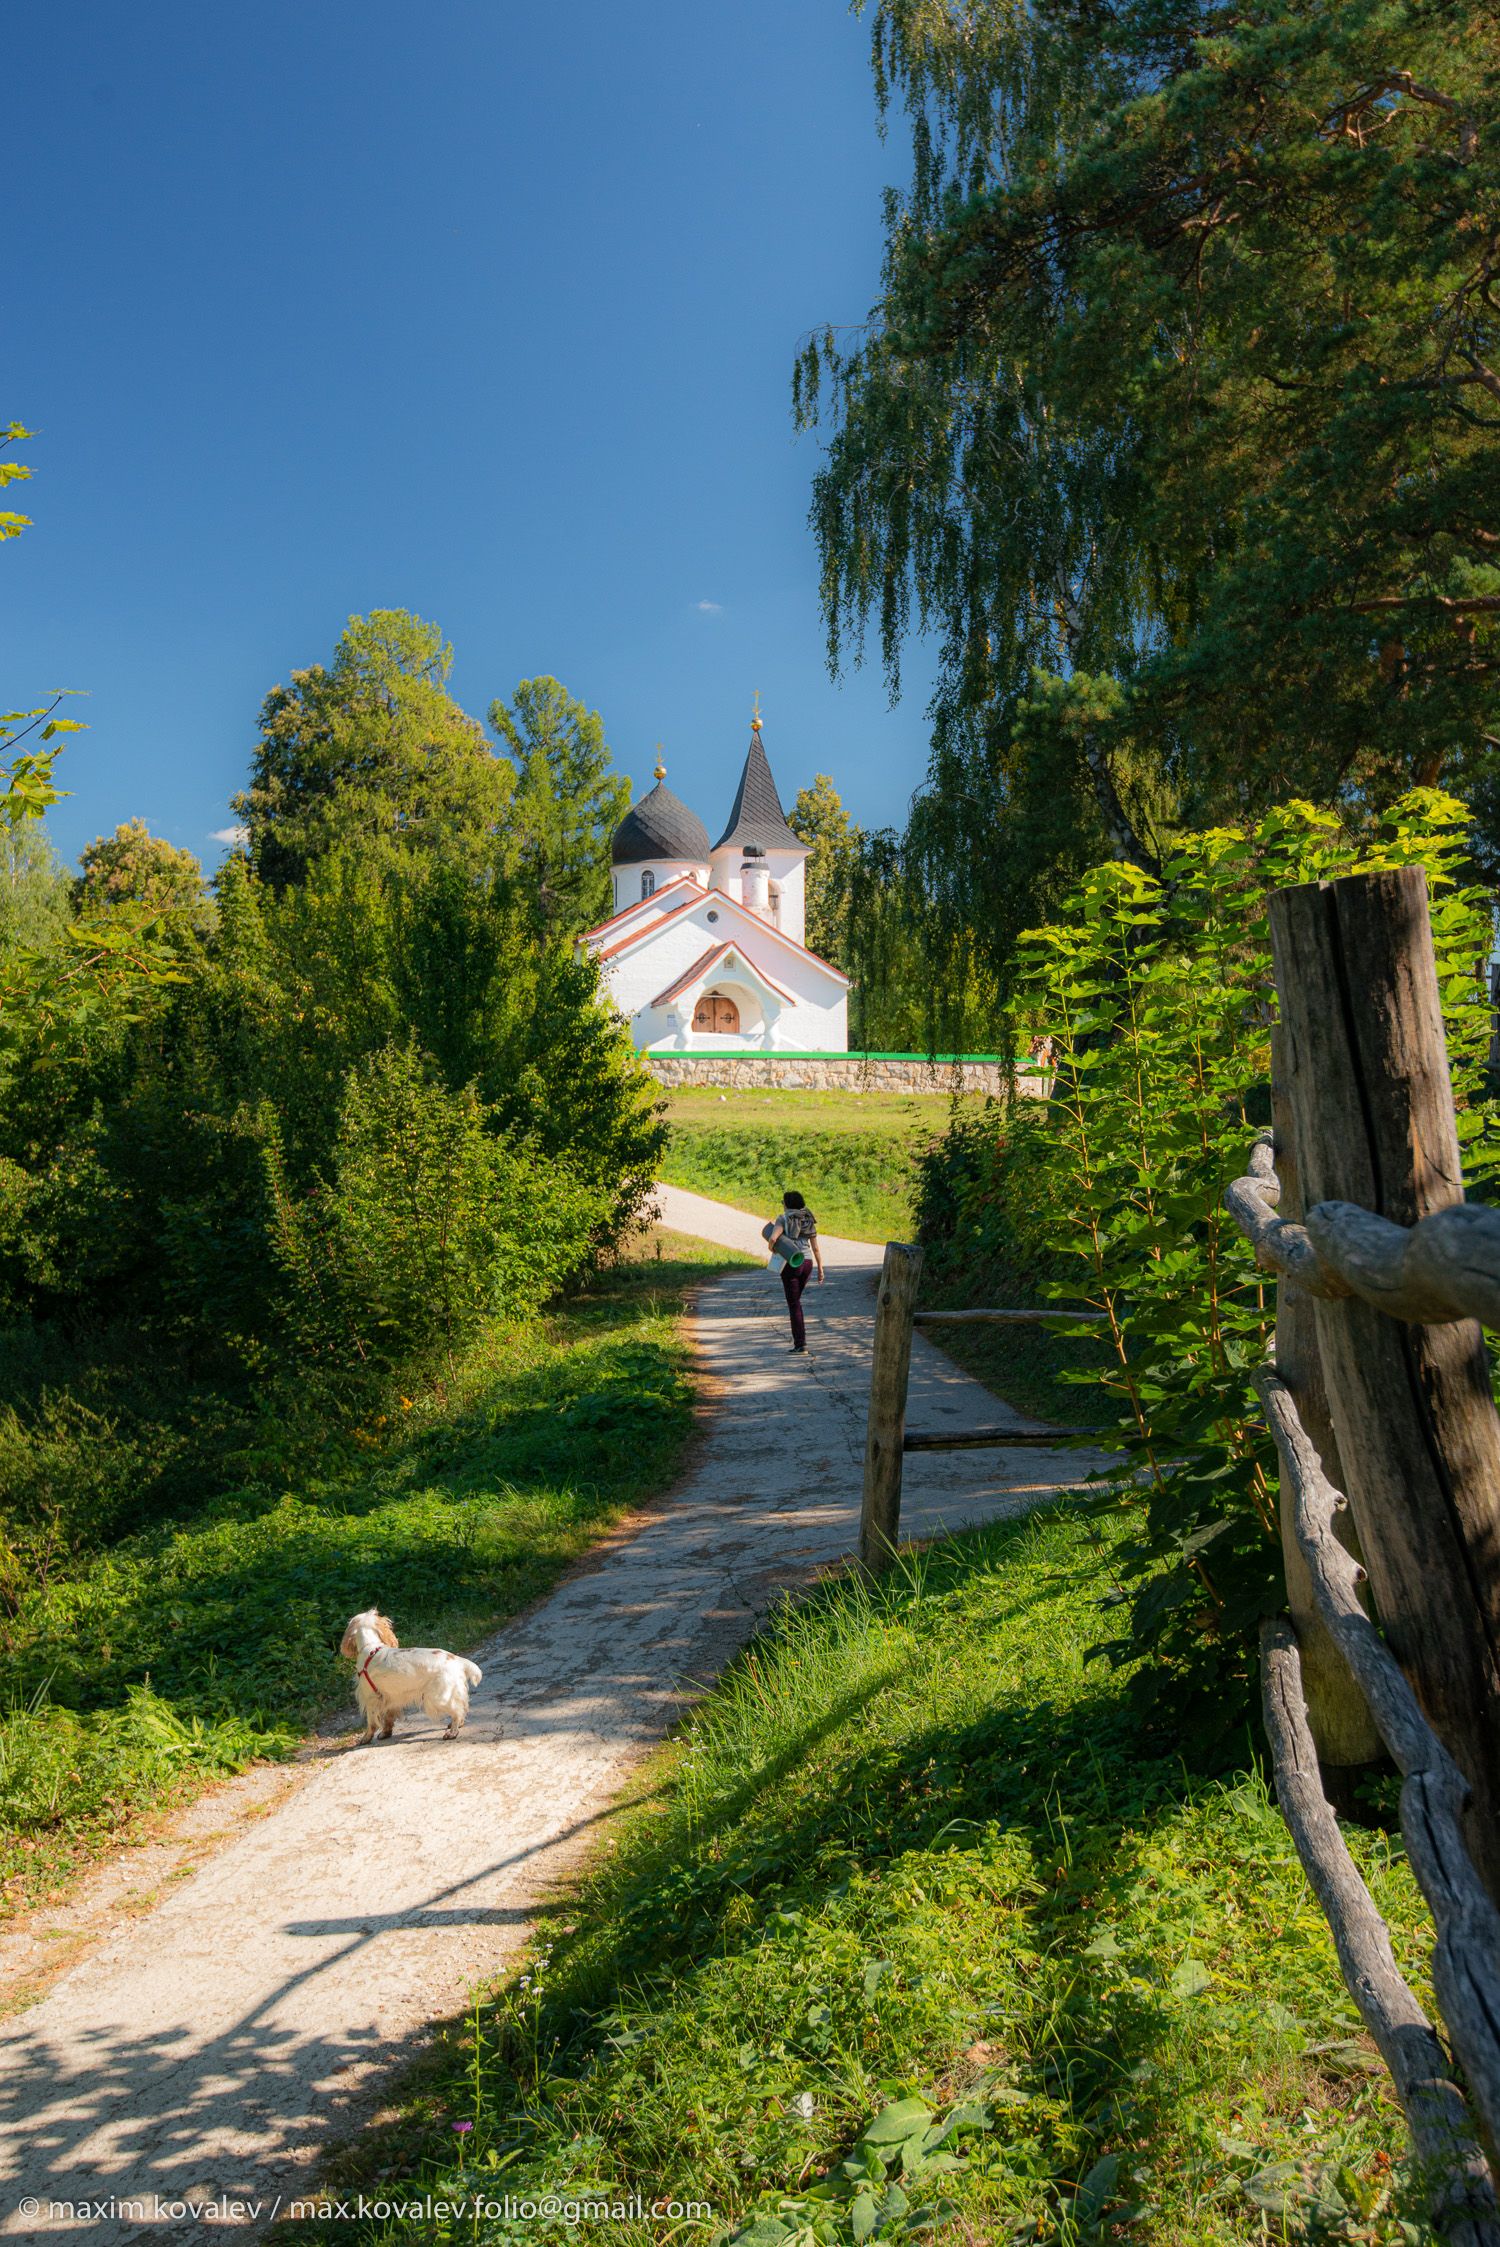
x=648, y=883
x=775, y=896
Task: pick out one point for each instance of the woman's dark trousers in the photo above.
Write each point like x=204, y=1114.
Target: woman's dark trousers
x=794, y=1283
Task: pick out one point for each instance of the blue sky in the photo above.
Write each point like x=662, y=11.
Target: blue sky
x=326, y=305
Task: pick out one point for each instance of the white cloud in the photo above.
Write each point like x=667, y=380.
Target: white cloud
x=709, y=608
x=230, y=835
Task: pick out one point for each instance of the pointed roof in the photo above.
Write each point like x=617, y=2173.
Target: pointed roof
x=659, y=826
x=757, y=816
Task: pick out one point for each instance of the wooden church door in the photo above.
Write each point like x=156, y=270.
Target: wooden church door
x=715, y=1012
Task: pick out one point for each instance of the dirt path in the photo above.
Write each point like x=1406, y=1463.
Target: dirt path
x=219, y=2043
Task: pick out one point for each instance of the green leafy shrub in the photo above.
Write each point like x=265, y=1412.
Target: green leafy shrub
x=1158, y=996
x=983, y=1197
x=430, y=1221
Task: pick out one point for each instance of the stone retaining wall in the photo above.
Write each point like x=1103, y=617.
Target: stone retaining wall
x=833, y=1072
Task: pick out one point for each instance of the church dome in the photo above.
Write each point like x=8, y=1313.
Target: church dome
x=659, y=826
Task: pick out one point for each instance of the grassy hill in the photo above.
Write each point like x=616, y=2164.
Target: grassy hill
x=848, y=1152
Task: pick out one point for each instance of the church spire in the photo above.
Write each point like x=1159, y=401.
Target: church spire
x=757, y=816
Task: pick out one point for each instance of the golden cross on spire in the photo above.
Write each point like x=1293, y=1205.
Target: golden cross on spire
x=755, y=721
x=660, y=771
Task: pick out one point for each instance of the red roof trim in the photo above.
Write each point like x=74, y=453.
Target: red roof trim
x=636, y=903
x=690, y=975
x=722, y=897
x=710, y=959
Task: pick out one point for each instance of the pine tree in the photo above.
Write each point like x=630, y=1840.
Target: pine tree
x=568, y=802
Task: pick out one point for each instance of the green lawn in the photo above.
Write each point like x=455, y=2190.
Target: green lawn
x=849, y=1153
x=207, y=1636
x=912, y=1909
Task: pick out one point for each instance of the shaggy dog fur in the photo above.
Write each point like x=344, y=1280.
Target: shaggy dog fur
x=390, y=1677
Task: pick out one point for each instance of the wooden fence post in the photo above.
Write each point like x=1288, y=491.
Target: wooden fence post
x=1343, y=1730
x=890, y=1370
x=1372, y=1114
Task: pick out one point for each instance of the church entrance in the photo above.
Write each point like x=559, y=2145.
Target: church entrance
x=715, y=1012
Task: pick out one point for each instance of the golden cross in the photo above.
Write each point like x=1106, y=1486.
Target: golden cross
x=661, y=770
x=755, y=721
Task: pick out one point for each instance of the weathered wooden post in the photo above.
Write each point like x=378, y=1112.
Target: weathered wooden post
x=890, y=1370
x=1372, y=1115
x=1338, y=1716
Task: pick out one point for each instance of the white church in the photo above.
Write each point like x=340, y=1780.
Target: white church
x=704, y=952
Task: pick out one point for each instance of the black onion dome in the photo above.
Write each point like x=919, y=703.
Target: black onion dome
x=757, y=816
x=659, y=826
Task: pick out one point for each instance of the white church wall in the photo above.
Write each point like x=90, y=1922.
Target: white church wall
x=800, y=1029
x=812, y=1019
x=724, y=870
x=787, y=869
x=626, y=881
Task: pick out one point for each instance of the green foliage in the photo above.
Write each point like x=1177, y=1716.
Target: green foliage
x=982, y=1196
x=913, y=1913
x=372, y=754
x=1158, y=998
x=1171, y=424
x=13, y=472
x=568, y=802
x=134, y=867
x=146, y=1134
x=34, y=890
x=429, y=1222
x=819, y=818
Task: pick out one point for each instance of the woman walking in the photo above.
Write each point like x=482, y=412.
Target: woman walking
x=794, y=1239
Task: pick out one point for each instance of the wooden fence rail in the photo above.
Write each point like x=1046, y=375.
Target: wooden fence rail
x=1466, y=1961
x=887, y=1437
x=1445, y=1268
x=1461, y=2194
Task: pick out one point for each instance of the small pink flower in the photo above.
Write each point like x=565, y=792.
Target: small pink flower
x=461, y=2127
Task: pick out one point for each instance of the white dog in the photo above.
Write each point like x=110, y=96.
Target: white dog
x=390, y=1677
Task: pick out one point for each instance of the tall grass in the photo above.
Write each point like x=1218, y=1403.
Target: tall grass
x=914, y=1928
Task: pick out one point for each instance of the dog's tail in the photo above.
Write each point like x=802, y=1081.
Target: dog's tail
x=471, y=1670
